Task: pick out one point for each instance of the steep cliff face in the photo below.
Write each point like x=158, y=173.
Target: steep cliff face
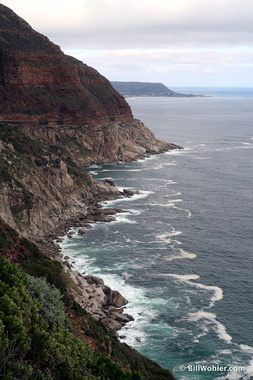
x=101, y=143
x=41, y=186
x=57, y=115
x=40, y=84
x=43, y=183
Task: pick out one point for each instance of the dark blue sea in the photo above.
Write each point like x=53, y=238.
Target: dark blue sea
x=182, y=253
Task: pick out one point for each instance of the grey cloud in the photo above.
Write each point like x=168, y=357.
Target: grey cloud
x=141, y=23
x=148, y=39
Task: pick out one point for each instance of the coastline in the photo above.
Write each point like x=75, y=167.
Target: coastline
x=90, y=292
x=99, y=300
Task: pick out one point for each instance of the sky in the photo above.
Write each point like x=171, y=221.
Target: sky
x=180, y=43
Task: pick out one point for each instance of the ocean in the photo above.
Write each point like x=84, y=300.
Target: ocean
x=182, y=253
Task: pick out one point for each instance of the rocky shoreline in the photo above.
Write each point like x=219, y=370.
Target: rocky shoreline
x=90, y=292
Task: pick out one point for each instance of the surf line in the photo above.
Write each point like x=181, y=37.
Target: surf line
x=204, y=313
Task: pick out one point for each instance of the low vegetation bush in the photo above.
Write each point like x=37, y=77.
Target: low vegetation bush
x=34, y=344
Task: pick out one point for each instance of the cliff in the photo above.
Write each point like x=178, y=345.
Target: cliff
x=40, y=84
x=57, y=115
x=44, y=187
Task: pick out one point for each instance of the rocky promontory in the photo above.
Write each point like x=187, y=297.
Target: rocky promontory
x=142, y=89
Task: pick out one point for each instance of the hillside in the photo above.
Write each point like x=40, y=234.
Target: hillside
x=57, y=116
x=144, y=89
x=45, y=334
x=40, y=84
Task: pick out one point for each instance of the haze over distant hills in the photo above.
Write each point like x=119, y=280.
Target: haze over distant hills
x=145, y=89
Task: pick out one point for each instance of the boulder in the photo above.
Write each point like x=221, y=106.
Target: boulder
x=116, y=299
x=111, y=324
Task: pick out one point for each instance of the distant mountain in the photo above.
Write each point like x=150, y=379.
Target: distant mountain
x=145, y=89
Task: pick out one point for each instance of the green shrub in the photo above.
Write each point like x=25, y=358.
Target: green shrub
x=42, y=266
x=32, y=347
x=50, y=299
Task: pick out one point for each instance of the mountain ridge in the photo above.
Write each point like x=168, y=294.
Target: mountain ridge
x=41, y=84
x=129, y=89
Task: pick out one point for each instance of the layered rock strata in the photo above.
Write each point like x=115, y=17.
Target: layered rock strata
x=39, y=84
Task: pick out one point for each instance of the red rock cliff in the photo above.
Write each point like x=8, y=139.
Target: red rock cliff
x=40, y=84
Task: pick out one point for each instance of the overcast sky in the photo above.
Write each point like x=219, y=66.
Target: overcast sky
x=177, y=42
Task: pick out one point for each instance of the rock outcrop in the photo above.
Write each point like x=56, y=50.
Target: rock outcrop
x=103, y=303
x=103, y=142
x=44, y=187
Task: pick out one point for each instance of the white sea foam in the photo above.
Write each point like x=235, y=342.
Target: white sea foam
x=249, y=368
x=234, y=148
x=167, y=235
x=218, y=327
x=222, y=333
x=140, y=195
x=204, y=313
x=247, y=349
x=94, y=166
x=178, y=152
x=168, y=204
x=175, y=194
x=200, y=315
x=170, y=182
x=172, y=203
x=172, y=163
x=127, y=275
x=184, y=277
x=217, y=292
x=201, y=158
x=181, y=255
x=122, y=218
